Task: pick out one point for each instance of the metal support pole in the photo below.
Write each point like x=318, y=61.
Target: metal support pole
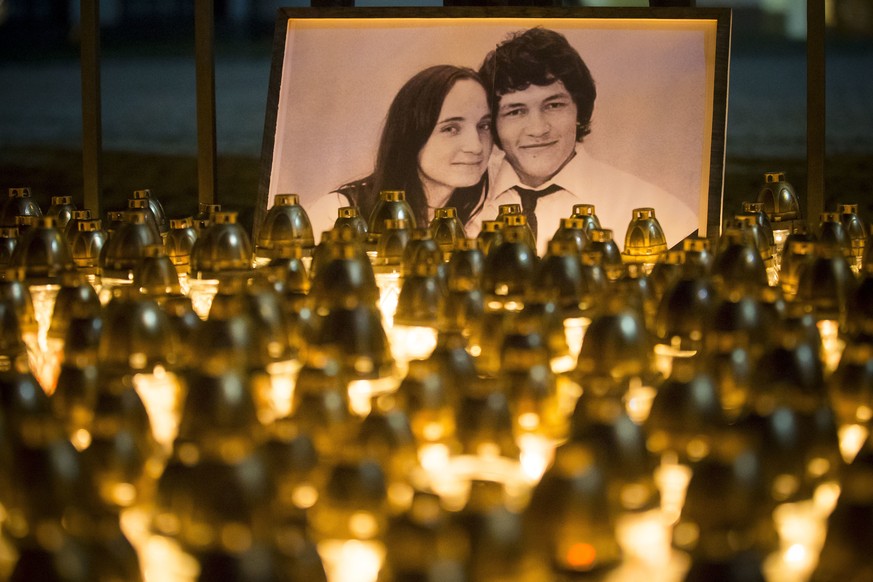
x=92, y=127
x=204, y=40
x=815, y=108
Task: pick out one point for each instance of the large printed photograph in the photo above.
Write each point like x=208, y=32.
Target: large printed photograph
x=618, y=108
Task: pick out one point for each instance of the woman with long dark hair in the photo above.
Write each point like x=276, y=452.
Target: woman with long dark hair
x=435, y=146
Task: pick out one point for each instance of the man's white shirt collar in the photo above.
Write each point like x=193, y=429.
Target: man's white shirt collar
x=587, y=180
x=506, y=178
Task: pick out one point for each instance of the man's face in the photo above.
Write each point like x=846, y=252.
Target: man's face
x=537, y=129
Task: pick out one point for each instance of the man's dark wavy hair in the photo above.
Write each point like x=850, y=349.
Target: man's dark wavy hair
x=539, y=56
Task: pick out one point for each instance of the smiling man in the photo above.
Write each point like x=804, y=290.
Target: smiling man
x=542, y=99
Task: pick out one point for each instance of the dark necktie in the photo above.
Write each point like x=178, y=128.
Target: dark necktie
x=529, y=200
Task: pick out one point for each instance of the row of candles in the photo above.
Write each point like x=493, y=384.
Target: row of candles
x=401, y=403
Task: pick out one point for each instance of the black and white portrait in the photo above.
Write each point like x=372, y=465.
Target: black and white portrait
x=350, y=88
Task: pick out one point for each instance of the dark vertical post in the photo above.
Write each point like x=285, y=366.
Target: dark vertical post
x=92, y=127
x=204, y=39
x=815, y=108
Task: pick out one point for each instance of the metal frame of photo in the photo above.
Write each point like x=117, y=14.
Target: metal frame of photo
x=334, y=72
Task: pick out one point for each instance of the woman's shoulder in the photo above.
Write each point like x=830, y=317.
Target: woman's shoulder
x=323, y=211
x=335, y=199
x=356, y=191
x=349, y=194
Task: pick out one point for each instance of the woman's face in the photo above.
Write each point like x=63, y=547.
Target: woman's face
x=457, y=151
